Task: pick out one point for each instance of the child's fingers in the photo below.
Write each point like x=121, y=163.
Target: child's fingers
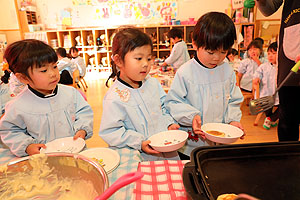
x=151, y=151
x=42, y=146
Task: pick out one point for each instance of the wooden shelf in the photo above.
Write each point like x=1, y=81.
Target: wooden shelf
x=88, y=40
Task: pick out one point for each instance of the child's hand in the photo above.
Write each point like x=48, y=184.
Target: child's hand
x=239, y=125
x=80, y=133
x=147, y=149
x=196, y=125
x=298, y=58
x=173, y=127
x=34, y=148
x=255, y=57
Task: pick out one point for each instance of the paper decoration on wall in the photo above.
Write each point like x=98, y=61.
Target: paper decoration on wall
x=65, y=16
x=116, y=12
x=236, y=4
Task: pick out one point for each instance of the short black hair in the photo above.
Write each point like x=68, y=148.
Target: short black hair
x=273, y=46
x=61, y=51
x=24, y=54
x=73, y=49
x=255, y=44
x=234, y=51
x=175, y=32
x=260, y=40
x=213, y=31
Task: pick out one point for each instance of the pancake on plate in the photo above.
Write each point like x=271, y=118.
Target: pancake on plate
x=227, y=197
x=216, y=133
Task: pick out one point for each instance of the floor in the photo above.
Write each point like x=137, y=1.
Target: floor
x=97, y=89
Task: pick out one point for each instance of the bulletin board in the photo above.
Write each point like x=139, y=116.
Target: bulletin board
x=91, y=13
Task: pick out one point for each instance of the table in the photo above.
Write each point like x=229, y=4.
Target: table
x=162, y=180
x=165, y=78
x=129, y=160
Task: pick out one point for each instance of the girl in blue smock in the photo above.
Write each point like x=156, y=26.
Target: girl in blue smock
x=249, y=65
x=44, y=110
x=204, y=89
x=133, y=107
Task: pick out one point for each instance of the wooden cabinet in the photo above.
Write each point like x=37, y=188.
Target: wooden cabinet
x=95, y=45
x=27, y=18
x=247, y=30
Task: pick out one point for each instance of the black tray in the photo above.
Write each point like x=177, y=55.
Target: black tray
x=267, y=171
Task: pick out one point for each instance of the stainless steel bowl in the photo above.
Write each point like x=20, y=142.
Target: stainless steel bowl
x=65, y=165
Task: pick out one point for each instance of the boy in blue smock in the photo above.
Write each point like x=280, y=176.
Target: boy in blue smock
x=179, y=54
x=204, y=89
x=44, y=110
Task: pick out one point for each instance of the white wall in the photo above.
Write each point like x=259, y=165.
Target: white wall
x=8, y=15
x=196, y=8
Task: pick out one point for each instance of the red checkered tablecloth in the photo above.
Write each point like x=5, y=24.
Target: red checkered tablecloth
x=162, y=180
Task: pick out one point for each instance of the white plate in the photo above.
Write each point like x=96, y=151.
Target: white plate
x=66, y=145
x=110, y=158
x=168, y=141
x=232, y=133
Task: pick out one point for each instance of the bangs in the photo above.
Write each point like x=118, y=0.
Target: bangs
x=42, y=56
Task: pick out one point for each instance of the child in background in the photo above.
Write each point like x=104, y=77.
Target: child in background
x=249, y=65
x=65, y=67
x=232, y=58
x=133, y=107
x=266, y=77
x=5, y=93
x=77, y=61
x=204, y=88
x=44, y=110
x=179, y=54
x=263, y=56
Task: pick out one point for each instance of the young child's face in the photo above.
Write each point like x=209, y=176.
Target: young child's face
x=136, y=65
x=74, y=54
x=211, y=58
x=272, y=56
x=44, y=79
x=230, y=57
x=254, y=52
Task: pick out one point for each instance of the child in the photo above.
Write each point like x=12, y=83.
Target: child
x=133, y=108
x=179, y=54
x=266, y=76
x=77, y=61
x=249, y=65
x=204, y=88
x=263, y=55
x=232, y=58
x=44, y=110
x=5, y=94
x=65, y=66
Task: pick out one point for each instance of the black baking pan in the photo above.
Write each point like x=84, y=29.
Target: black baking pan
x=267, y=171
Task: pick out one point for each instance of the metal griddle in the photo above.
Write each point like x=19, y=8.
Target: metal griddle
x=267, y=171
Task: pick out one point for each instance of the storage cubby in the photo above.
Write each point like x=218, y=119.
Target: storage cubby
x=95, y=46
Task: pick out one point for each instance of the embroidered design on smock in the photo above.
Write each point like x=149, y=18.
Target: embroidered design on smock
x=124, y=94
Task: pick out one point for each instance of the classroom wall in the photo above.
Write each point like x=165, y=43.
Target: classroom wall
x=8, y=15
x=196, y=8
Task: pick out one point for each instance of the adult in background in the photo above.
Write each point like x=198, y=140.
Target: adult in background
x=288, y=55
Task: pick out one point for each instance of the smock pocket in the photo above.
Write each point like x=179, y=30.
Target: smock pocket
x=291, y=41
